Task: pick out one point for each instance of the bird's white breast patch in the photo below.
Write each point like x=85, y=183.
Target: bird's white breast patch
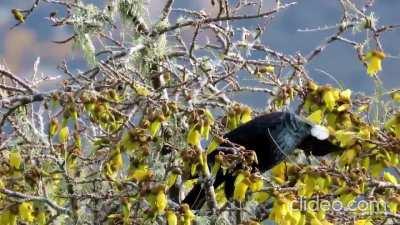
x=320, y=132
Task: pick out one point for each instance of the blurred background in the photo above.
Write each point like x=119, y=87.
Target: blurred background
x=20, y=47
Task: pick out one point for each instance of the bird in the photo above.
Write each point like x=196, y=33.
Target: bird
x=273, y=137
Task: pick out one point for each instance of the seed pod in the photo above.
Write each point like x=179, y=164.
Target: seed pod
x=156, y=82
x=63, y=135
x=266, y=69
x=53, y=127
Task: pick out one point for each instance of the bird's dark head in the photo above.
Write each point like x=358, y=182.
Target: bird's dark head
x=304, y=127
x=315, y=137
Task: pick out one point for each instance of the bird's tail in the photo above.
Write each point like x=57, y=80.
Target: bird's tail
x=197, y=196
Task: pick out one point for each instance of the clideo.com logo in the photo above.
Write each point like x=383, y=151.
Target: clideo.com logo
x=335, y=205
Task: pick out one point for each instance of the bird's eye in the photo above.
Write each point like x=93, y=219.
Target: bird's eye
x=320, y=132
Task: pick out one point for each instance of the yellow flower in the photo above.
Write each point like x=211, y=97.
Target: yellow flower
x=8, y=218
x=330, y=98
x=362, y=222
x=18, y=15
x=41, y=218
x=374, y=62
x=345, y=138
x=188, y=215
x=389, y=177
x=282, y=208
x=246, y=115
x=213, y=145
x=53, y=127
x=239, y=193
x=194, y=136
x=141, y=90
x=25, y=211
x=306, y=187
x=257, y=184
x=154, y=127
x=172, y=219
x=15, y=159
x=158, y=199
x=161, y=201
x=316, y=117
x=242, y=183
x=220, y=196
x=395, y=95
x=279, y=173
x=260, y=197
x=348, y=157
x=115, y=163
x=345, y=95
x=63, y=135
x=263, y=70
x=141, y=173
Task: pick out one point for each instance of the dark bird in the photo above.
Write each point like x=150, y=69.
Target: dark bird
x=272, y=137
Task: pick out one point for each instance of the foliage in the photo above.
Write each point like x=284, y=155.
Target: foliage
x=122, y=142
